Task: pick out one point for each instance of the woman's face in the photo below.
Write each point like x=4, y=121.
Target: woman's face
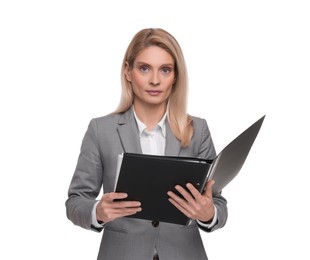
x=152, y=77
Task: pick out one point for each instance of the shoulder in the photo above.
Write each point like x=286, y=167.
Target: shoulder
x=199, y=124
x=104, y=124
x=107, y=119
x=115, y=118
x=202, y=138
x=197, y=120
x=200, y=128
x=112, y=121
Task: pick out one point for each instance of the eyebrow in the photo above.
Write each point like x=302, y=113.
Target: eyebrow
x=162, y=65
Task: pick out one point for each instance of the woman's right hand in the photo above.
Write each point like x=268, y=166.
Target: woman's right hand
x=108, y=209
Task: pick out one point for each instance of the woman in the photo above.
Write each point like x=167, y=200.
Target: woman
x=151, y=118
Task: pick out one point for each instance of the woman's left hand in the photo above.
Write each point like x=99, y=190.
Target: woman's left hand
x=194, y=204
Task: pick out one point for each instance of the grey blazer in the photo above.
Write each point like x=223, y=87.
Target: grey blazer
x=129, y=238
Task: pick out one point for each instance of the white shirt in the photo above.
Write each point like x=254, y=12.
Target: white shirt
x=152, y=142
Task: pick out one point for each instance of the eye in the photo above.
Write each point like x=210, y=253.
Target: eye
x=144, y=68
x=166, y=70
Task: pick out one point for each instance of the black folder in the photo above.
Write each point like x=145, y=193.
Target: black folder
x=148, y=178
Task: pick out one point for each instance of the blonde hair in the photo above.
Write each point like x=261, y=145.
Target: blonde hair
x=180, y=122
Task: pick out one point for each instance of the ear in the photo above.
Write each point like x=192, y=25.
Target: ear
x=127, y=71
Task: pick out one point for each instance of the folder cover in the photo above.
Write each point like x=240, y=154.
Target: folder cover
x=148, y=178
x=229, y=161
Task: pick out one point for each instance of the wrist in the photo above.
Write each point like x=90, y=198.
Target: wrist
x=209, y=219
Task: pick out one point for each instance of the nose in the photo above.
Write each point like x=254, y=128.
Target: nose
x=154, y=79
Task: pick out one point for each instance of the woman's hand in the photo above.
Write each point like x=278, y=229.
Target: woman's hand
x=194, y=204
x=108, y=209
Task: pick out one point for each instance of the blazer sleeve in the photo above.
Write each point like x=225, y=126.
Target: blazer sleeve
x=86, y=181
x=207, y=150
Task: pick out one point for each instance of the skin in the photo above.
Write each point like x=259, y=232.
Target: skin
x=152, y=78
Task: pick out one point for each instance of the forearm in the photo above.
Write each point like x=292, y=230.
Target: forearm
x=79, y=211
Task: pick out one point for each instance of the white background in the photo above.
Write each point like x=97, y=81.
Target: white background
x=60, y=66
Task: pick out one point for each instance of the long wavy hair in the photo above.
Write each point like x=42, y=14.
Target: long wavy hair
x=180, y=122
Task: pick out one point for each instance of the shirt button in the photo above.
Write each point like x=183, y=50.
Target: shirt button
x=155, y=223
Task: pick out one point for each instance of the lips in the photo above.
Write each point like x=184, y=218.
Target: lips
x=154, y=92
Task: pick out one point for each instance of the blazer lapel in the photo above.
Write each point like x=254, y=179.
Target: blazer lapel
x=128, y=132
x=129, y=136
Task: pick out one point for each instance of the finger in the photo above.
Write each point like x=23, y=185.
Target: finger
x=186, y=195
x=126, y=204
x=196, y=194
x=182, y=202
x=185, y=211
x=125, y=211
x=113, y=214
x=113, y=200
x=209, y=186
x=114, y=196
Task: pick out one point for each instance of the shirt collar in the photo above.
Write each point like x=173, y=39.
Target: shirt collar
x=161, y=126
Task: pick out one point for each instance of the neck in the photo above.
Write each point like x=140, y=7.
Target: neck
x=150, y=115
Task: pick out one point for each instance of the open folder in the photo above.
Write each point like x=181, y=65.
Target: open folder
x=148, y=178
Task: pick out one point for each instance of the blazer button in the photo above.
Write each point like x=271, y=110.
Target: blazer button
x=155, y=223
